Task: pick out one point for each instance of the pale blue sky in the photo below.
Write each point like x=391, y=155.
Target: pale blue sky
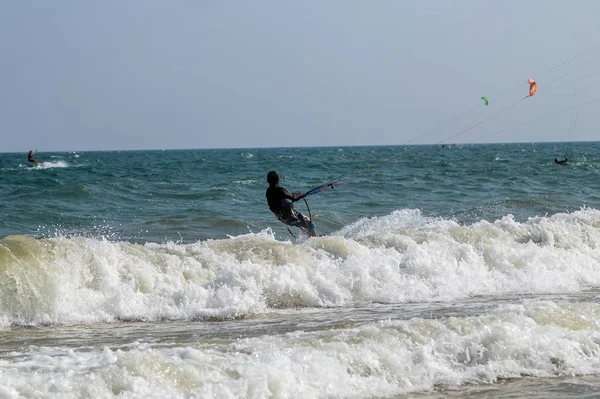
x=147, y=74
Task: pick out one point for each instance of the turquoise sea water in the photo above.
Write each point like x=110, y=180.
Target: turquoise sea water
x=446, y=270
x=190, y=195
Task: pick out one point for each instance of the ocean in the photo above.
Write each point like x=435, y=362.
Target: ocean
x=441, y=271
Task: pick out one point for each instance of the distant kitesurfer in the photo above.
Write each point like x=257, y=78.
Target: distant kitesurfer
x=30, y=157
x=561, y=162
x=277, y=198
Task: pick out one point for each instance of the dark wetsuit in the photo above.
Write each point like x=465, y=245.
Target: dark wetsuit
x=563, y=162
x=277, y=198
x=30, y=158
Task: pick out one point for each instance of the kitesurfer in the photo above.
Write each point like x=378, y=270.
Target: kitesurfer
x=561, y=162
x=31, y=159
x=277, y=198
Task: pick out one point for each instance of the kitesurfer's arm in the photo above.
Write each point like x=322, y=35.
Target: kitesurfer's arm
x=292, y=197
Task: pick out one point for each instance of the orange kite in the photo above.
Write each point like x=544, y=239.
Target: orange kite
x=532, y=87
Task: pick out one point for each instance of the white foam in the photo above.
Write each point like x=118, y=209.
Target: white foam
x=381, y=359
x=50, y=165
x=402, y=257
x=244, y=182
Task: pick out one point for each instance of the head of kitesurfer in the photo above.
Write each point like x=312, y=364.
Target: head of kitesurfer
x=273, y=178
x=280, y=203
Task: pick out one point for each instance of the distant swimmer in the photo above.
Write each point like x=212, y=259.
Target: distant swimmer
x=277, y=198
x=561, y=162
x=30, y=157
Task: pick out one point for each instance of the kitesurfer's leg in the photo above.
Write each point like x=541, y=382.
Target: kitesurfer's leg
x=306, y=225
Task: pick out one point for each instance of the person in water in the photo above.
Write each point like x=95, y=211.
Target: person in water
x=277, y=198
x=31, y=159
x=561, y=162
